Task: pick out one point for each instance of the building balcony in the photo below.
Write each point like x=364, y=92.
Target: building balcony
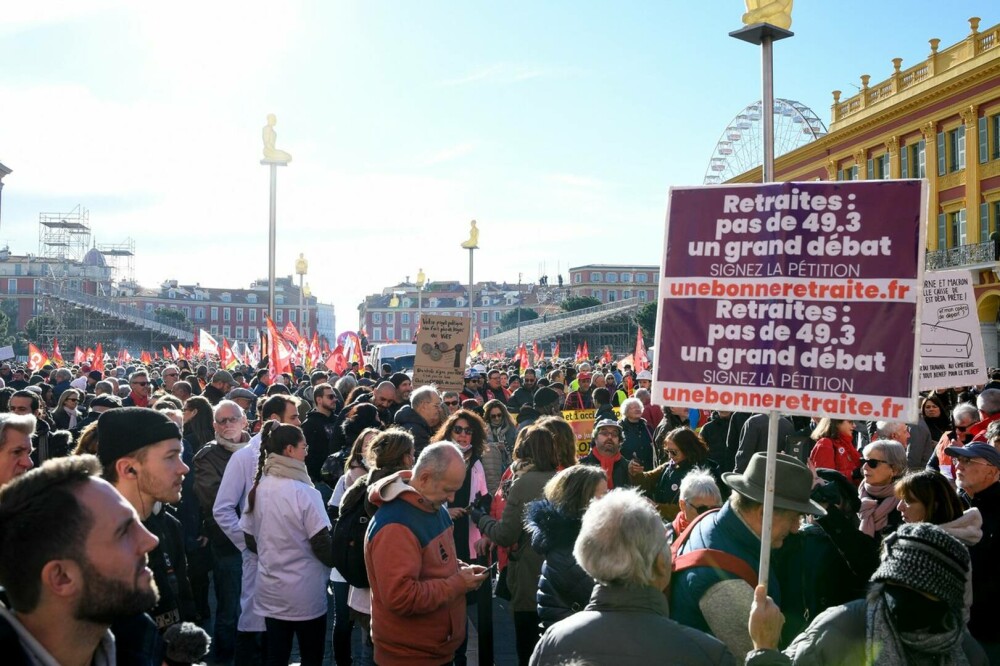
x=975, y=255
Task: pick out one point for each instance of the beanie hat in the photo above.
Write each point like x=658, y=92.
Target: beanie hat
x=399, y=378
x=545, y=397
x=924, y=557
x=122, y=431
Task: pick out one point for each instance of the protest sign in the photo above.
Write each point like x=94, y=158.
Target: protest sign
x=441, y=352
x=951, y=342
x=582, y=423
x=794, y=297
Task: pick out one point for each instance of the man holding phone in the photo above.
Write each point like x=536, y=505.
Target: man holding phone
x=418, y=584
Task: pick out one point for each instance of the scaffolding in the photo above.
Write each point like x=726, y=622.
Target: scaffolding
x=120, y=258
x=64, y=236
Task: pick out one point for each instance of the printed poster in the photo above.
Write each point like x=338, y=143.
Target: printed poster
x=797, y=297
x=951, y=342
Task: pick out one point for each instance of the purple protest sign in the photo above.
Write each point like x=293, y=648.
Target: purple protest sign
x=795, y=297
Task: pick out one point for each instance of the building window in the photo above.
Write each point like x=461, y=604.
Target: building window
x=253, y=315
x=878, y=167
x=496, y=315
x=848, y=173
x=11, y=286
x=643, y=295
x=913, y=160
x=227, y=331
x=595, y=277
x=951, y=229
x=377, y=334
x=227, y=315
x=611, y=277
x=376, y=317
x=390, y=333
x=626, y=294
x=577, y=278
x=291, y=316
x=596, y=293
x=239, y=314
x=279, y=317
x=187, y=311
x=484, y=332
x=214, y=331
x=612, y=295
x=641, y=277
x=215, y=314
x=239, y=332
x=404, y=318
x=226, y=297
x=951, y=150
x=251, y=298
x=390, y=318
x=626, y=277
x=405, y=334
x=199, y=313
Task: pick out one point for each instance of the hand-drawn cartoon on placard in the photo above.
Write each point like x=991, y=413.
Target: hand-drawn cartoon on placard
x=939, y=341
x=951, y=339
x=441, y=352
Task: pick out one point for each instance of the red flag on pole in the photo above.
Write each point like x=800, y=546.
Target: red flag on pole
x=555, y=350
x=89, y=356
x=641, y=362
x=78, y=356
x=99, y=355
x=336, y=362
x=291, y=334
x=56, y=354
x=36, y=358
x=146, y=358
x=227, y=359
x=586, y=352
x=524, y=357
x=606, y=358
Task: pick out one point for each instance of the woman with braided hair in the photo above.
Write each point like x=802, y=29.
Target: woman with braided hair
x=287, y=526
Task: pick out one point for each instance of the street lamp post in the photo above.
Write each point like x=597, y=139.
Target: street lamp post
x=472, y=244
x=301, y=268
x=518, y=310
x=421, y=281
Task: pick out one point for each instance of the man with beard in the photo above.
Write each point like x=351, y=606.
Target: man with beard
x=140, y=451
x=73, y=559
x=525, y=394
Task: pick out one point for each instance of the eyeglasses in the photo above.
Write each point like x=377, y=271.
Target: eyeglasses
x=226, y=420
x=459, y=430
x=962, y=460
x=451, y=403
x=873, y=463
x=702, y=509
x=140, y=383
x=496, y=415
x=962, y=428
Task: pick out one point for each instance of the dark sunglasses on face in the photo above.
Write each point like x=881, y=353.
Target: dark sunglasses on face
x=496, y=415
x=141, y=383
x=871, y=462
x=702, y=509
x=459, y=430
x=961, y=428
x=451, y=403
x=227, y=420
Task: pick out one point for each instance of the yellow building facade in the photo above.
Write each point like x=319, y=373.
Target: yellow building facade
x=940, y=120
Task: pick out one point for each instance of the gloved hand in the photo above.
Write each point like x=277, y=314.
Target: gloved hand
x=484, y=502
x=475, y=514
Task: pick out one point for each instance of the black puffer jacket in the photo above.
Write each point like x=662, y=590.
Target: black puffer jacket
x=564, y=587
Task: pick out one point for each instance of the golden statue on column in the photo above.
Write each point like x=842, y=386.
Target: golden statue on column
x=272, y=154
x=473, y=242
x=774, y=12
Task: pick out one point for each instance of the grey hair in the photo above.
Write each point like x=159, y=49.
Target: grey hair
x=620, y=539
x=63, y=374
x=345, y=385
x=227, y=403
x=989, y=401
x=23, y=423
x=641, y=393
x=450, y=394
x=103, y=386
x=422, y=395
x=628, y=403
x=886, y=429
x=894, y=454
x=699, y=482
x=436, y=457
x=965, y=409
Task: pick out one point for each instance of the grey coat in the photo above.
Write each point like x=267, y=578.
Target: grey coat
x=627, y=626
x=525, y=565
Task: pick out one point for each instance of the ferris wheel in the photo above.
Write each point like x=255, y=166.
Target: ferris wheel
x=741, y=146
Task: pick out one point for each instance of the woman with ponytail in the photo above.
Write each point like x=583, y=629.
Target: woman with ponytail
x=286, y=525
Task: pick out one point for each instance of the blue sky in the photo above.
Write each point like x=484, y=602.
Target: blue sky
x=558, y=125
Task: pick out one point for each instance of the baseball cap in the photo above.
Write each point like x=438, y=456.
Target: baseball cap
x=976, y=450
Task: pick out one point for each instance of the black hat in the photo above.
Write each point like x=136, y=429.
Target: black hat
x=106, y=400
x=545, y=397
x=792, y=483
x=925, y=558
x=96, y=375
x=122, y=431
x=399, y=378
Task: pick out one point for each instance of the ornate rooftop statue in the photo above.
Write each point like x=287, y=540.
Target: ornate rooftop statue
x=775, y=12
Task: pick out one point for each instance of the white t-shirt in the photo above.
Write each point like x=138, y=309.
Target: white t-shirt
x=287, y=513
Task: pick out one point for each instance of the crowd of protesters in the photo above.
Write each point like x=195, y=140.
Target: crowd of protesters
x=285, y=497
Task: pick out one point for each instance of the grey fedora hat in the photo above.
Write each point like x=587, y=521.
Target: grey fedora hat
x=792, y=483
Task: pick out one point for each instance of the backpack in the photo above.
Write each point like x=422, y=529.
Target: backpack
x=709, y=557
x=333, y=467
x=348, y=536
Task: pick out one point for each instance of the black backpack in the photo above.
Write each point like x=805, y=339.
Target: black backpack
x=349, y=542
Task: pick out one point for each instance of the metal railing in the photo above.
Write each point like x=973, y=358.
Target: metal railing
x=110, y=308
x=962, y=255
x=548, y=327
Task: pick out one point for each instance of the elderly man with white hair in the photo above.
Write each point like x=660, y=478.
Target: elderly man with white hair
x=698, y=493
x=622, y=546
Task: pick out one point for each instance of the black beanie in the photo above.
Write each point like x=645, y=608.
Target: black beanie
x=545, y=397
x=122, y=431
x=399, y=378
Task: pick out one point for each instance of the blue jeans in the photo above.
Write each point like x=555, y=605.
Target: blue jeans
x=227, y=569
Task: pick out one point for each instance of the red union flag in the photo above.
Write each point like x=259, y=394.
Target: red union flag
x=78, y=356
x=336, y=362
x=641, y=362
x=227, y=359
x=56, y=354
x=36, y=358
x=291, y=334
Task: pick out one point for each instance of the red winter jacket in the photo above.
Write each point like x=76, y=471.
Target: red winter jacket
x=839, y=454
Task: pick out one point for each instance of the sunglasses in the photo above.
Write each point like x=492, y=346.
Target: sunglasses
x=227, y=420
x=459, y=430
x=702, y=509
x=871, y=462
x=496, y=415
x=451, y=403
x=140, y=383
x=959, y=428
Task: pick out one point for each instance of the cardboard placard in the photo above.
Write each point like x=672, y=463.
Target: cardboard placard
x=442, y=349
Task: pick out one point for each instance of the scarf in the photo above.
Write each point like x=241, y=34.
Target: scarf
x=72, y=417
x=877, y=502
x=284, y=467
x=885, y=646
x=608, y=465
x=967, y=528
x=231, y=446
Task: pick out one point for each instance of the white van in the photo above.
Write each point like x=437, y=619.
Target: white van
x=400, y=355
